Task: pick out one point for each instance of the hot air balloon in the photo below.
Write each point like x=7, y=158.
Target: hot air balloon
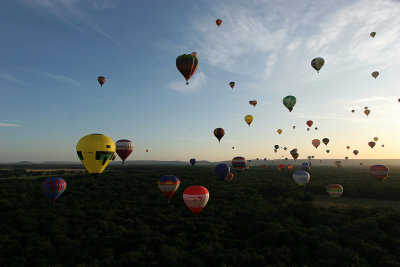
x=295, y=155
x=317, y=63
x=279, y=131
x=346, y=158
x=219, y=133
x=325, y=141
x=309, y=123
x=372, y=34
x=383, y=145
x=338, y=164
x=168, y=184
x=192, y=161
x=275, y=150
x=222, y=170
x=301, y=177
x=375, y=74
x=352, y=110
x=218, y=22
x=327, y=151
x=239, y=163
x=232, y=84
x=196, y=198
x=253, y=102
x=248, y=119
x=305, y=166
x=233, y=147
x=380, y=172
x=289, y=167
x=355, y=152
x=316, y=143
x=348, y=147
x=376, y=139
x=276, y=146
x=316, y=128
x=294, y=127
x=308, y=129
x=309, y=157
x=285, y=148
x=147, y=150
x=95, y=151
x=101, y=80
x=53, y=187
x=371, y=144
x=289, y=102
x=124, y=148
x=366, y=112
x=334, y=190
x=187, y=65
x=229, y=177
x=281, y=166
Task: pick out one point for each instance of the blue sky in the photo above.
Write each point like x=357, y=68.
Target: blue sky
x=53, y=50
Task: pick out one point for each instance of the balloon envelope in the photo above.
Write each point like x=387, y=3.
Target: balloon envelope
x=309, y=123
x=239, y=163
x=219, y=133
x=376, y=139
x=279, y=131
x=316, y=143
x=95, y=151
x=187, y=65
x=355, y=152
x=375, y=74
x=101, y=80
x=289, y=102
x=301, y=177
x=218, y=22
x=380, y=172
x=371, y=144
x=317, y=63
x=248, y=119
x=325, y=141
x=53, y=187
x=222, y=170
x=196, y=198
x=372, y=34
x=253, y=102
x=192, y=161
x=168, y=184
x=124, y=148
x=334, y=190
x=232, y=84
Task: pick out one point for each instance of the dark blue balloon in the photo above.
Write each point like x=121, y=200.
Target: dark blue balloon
x=192, y=161
x=222, y=170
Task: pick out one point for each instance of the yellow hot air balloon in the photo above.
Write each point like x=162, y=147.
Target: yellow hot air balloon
x=95, y=151
x=375, y=74
x=375, y=139
x=248, y=119
x=279, y=131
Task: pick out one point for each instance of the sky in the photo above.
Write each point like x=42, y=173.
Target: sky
x=52, y=51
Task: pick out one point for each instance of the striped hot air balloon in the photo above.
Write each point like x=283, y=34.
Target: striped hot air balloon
x=168, y=185
x=239, y=163
x=334, y=190
x=196, y=198
x=219, y=133
x=124, y=148
x=53, y=187
x=301, y=177
x=380, y=172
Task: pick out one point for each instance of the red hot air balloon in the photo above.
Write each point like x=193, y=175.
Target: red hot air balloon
x=218, y=22
x=253, y=103
x=309, y=123
x=380, y=172
x=124, y=148
x=316, y=143
x=229, y=177
x=219, y=133
x=281, y=166
x=187, y=65
x=101, y=80
x=196, y=198
x=232, y=84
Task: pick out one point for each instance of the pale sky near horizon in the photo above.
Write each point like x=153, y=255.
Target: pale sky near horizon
x=52, y=52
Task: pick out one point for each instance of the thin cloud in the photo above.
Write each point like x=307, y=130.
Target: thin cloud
x=55, y=77
x=11, y=78
x=71, y=11
x=196, y=82
x=3, y=124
